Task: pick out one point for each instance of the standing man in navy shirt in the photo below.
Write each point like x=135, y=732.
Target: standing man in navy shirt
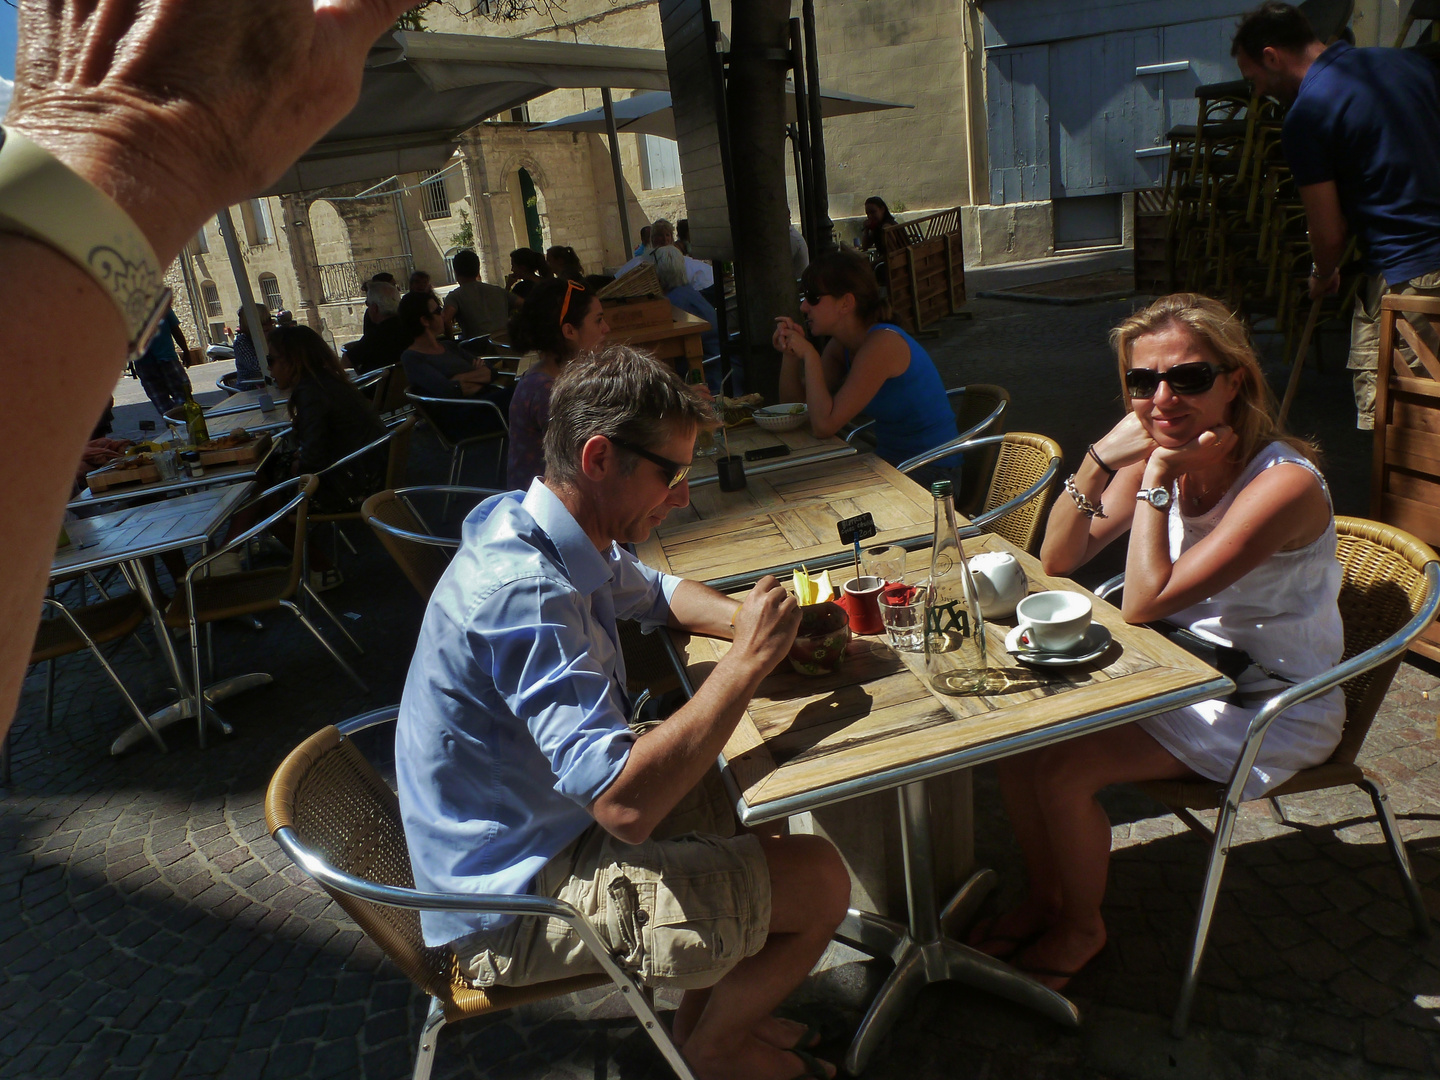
x=1362, y=138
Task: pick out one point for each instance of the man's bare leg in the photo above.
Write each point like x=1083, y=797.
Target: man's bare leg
x=810, y=892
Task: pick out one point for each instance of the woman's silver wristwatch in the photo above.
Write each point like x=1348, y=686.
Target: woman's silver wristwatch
x=1158, y=497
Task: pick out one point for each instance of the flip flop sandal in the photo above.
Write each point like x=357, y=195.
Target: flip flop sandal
x=814, y=1070
x=1049, y=973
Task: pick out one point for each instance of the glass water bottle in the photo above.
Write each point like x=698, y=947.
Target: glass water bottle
x=195, y=429
x=955, y=661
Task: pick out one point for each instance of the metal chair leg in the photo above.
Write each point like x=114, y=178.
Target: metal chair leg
x=429, y=1037
x=199, y=686
x=1391, y=829
x=315, y=632
x=330, y=614
x=1209, y=892
x=49, y=693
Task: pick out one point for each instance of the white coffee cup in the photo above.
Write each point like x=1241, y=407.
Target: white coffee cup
x=1053, y=621
x=999, y=582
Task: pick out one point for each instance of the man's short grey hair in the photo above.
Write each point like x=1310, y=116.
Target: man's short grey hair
x=669, y=266
x=385, y=297
x=621, y=393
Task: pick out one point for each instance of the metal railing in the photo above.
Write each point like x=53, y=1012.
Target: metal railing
x=346, y=281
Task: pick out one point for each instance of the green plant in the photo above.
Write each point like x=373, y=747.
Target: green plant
x=899, y=208
x=464, y=236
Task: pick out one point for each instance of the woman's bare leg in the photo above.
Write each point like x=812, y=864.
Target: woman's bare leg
x=1067, y=779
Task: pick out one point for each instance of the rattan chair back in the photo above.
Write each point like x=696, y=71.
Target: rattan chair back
x=391, y=397
x=1022, y=458
x=399, y=459
x=1381, y=589
x=342, y=811
x=976, y=403
x=390, y=517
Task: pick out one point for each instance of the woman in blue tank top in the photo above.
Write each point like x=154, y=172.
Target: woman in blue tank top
x=870, y=366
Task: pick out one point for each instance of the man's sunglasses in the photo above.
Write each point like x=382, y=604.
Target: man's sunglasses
x=675, y=473
x=1196, y=377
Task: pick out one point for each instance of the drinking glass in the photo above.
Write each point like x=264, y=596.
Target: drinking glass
x=886, y=563
x=902, y=610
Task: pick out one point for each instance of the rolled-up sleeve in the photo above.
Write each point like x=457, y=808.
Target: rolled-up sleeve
x=532, y=643
x=640, y=592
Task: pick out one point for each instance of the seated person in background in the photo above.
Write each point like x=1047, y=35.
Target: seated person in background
x=420, y=281
x=518, y=770
x=560, y=321
x=437, y=367
x=682, y=235
x=564, y=263
x=670, y=269
x=527, y=269
x=1232, y=536
x=877, y=216
x=799, y=251
x=643, y=247
x=284, y=317
x=385, y=338
x=474, y=306
x=870, y=366
x=388, y=279
x=247, y=359
x=331, y=417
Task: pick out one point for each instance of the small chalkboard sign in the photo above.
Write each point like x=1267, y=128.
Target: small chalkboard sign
x=853, y=530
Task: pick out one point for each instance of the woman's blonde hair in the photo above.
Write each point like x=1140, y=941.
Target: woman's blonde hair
x=1224, y=336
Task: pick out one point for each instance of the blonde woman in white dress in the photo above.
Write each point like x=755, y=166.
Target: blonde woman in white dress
x=1232, y=537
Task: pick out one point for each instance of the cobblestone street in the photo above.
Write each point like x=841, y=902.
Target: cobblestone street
x=149, y=927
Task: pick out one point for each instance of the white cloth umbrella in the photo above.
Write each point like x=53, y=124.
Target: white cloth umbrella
x=651, y=114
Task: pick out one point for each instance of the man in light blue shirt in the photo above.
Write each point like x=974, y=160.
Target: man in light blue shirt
x=518, y=771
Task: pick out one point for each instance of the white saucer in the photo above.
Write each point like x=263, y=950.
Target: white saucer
x=1096, y=641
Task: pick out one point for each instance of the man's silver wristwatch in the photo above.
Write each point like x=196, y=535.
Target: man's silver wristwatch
x=1158, y=497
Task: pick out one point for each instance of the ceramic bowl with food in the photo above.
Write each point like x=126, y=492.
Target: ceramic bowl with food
x=819, y=647
x=782, y=417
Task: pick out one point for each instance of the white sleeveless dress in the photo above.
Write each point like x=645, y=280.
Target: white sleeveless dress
x=1284, y=614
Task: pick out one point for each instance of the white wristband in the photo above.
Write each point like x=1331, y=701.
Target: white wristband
x=43, y=199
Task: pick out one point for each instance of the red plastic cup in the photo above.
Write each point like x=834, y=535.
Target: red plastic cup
x=860, y=597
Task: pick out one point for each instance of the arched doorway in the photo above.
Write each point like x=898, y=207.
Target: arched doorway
x=532, y=212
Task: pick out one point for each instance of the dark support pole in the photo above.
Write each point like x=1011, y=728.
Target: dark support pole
x=804, y=165
x=615, y=167
x=819, y=190
x=792, y=133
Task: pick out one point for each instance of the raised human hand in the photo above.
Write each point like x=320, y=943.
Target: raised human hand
x=1126, y=443
x=1208, y=448
x=765, y=625
x=176, y=108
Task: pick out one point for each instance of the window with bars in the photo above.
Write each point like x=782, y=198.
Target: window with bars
x=434, y=197
x=270, y=289
x=212, y=300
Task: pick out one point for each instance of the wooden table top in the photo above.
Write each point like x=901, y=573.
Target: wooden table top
x=805, y=742
x=148, y=529
x=252, y=420
x=804, y=448
x=214, y=475
x=684, y=323
x=785, y=518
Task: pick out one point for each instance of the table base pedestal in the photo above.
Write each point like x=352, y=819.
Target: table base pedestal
x=184, y=709
x=921, y=952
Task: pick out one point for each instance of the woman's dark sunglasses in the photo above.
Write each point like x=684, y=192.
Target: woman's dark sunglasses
x=674, y=471
x=811, y=297
x=1196, y=377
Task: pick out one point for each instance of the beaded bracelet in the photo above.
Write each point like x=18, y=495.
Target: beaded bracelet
x=1084, y=505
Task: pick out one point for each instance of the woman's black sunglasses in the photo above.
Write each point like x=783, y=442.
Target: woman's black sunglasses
x=1196, y=377
x=674, y=471
x=811, y=297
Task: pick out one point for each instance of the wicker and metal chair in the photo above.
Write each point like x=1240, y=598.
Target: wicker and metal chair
x=440, y=411
x=1389, y=593
x=203, y=599
x=336, y=819
x=421, y=553
x=1027, y=471
x=88, y=627
x=979, y=408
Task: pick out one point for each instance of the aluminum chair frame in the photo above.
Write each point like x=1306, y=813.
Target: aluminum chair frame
x=395, y=427
x=1224, y=829
x=969, y=433
x=631, y=990
x=304, y=484
x=459, y=447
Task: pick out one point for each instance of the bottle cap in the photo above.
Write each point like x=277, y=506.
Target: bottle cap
x=940, y=488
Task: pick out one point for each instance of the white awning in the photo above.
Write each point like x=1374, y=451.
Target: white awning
x=421, y=90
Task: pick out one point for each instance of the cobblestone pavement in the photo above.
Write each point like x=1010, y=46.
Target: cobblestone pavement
x=150, y=928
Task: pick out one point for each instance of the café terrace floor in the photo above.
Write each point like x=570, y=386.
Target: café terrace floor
x=150, y=928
